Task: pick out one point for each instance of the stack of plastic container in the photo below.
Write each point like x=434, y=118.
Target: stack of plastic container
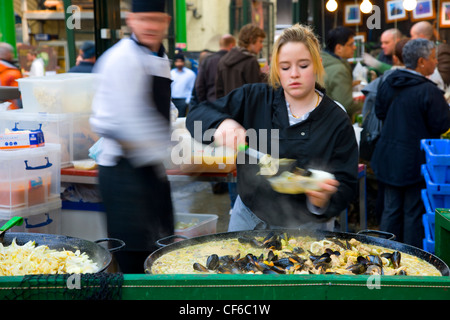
x=30, y=178
x=30, y=184
x=62, y=105
x=436, y=173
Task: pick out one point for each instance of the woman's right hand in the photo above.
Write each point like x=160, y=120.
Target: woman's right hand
x=230, y=133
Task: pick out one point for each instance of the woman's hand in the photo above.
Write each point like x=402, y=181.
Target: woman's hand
x=327, y=189
x=230, y=133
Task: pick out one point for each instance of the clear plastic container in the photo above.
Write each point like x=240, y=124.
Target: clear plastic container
x=29, y=177
x=72, y=131
x=60, y=93
x=197, y=224
x=43, y=218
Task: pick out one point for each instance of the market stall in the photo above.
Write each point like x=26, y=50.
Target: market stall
x=110, y=285
x=238, y=287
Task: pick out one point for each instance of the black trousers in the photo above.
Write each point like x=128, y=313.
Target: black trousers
x=139, y=210
x=181, y=105
x=402, y=214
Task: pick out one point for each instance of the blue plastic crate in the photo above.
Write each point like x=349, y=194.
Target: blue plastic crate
x=428, y=226
x=437, y=154
x=438, y=194
x=426, y=202
x=428, y=245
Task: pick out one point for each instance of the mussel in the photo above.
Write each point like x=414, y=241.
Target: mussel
x=376, y=260
x=358, y=268
x=394, y=257
x=212, y=263
x=199, y=267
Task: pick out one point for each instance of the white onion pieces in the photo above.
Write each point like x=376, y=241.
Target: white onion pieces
x=16, y=260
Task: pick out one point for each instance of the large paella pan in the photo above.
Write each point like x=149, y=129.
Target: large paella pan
x=293, y=251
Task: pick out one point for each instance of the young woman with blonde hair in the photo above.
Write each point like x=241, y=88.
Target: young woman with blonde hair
x=291, y=116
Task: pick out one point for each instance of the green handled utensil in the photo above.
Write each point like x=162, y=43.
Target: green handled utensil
x=251, y=152
x=14, y=221
x=272, y=166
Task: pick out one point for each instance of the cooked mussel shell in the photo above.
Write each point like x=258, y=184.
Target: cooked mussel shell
x=358, y=268
x=283, y=263
x=374, y=269
x=373, y=259
x=226, y=259
x=298, y=250
x=213, y=261
x=271, y=256
x=394, y=257
x=401, y=273
x=252, y=241
x=199, y=267
x=331, y=252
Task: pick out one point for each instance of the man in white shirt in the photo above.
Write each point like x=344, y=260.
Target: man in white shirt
x=37, y=68
x=131, y=112
x=182, y=85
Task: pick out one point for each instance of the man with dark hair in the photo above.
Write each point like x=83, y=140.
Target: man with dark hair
x=183, y=82
x=205, y=85
x=87, y=58
x=340, y=46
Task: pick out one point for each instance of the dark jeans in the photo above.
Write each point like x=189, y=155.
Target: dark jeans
x=232, y=191
x=139, y=210
x=181, y=105
x=402, y=214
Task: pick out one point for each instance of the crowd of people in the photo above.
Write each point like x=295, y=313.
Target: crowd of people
x=302, y=101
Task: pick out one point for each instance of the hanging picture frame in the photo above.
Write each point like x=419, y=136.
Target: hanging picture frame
x=352, y=14
x=424, y=10
x=444, y=19
x=395, y=11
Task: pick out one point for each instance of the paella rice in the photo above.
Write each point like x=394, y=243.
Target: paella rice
x=293, y=255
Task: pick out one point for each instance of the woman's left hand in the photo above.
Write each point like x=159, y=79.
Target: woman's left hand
x=327, y=189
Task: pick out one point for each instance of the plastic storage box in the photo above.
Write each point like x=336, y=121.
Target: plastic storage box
x=71, y=131
x=198, y=224
x=439, y=194
x=60, y=93
x=43, y=218
x=437, y=154
x=30, y=177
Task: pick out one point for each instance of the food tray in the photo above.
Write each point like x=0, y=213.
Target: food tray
x=438, y=194
x=437, y=154
x=290, y=183
x=204, y=224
